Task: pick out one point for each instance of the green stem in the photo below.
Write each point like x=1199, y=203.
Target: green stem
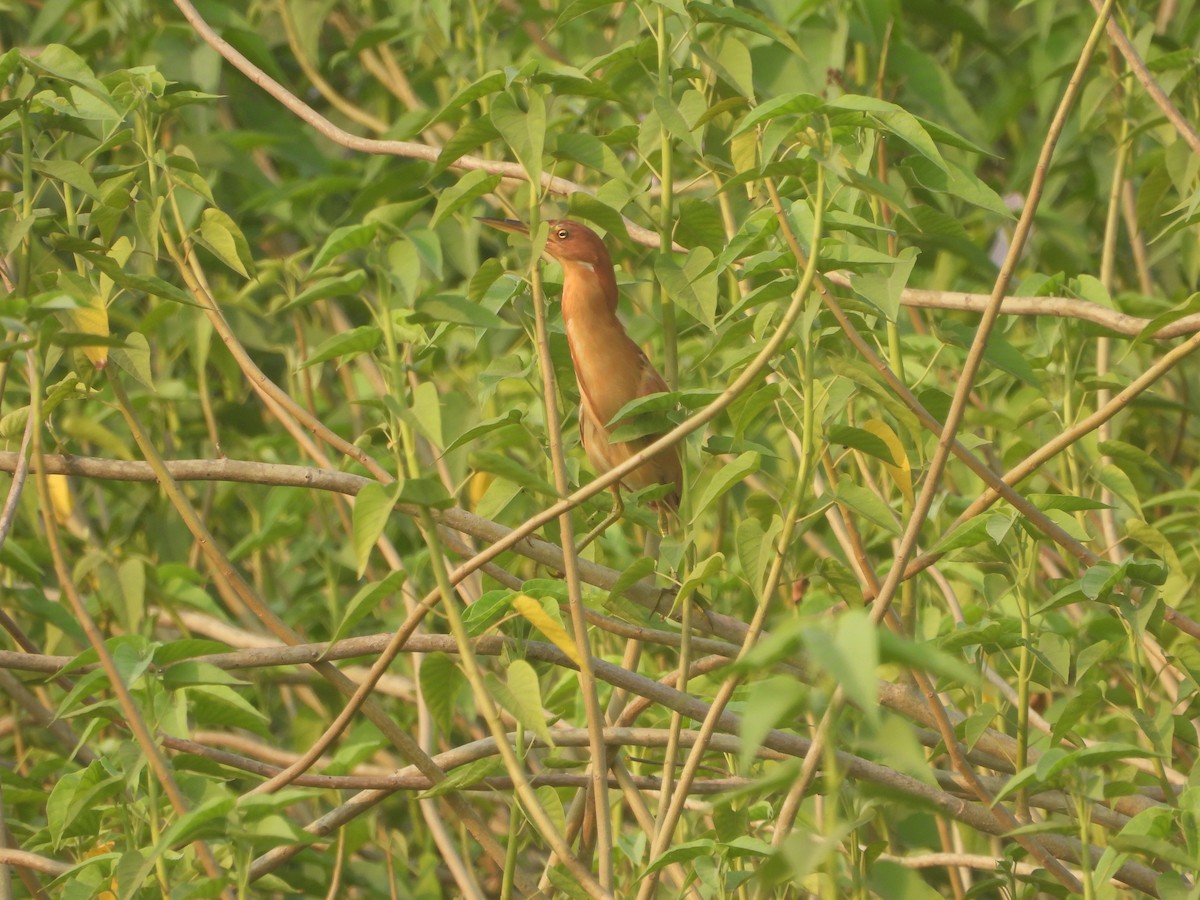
x=486, y=706
x=587, y=678
x=663, y=835
x=1084, y=814
x=1024, y=674
x=665, y=209
x=514, y=827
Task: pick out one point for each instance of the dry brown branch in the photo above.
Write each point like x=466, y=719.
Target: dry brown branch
x=34, y=861
x=1058, y=307
x=915, y=297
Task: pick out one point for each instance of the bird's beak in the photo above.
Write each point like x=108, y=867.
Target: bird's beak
x=512, y=226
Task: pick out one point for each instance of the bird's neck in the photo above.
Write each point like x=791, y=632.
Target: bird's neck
x=589, y=291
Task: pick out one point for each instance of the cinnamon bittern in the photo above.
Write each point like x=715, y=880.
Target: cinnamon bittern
x=610, y=368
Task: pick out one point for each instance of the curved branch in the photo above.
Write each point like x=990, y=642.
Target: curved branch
x=34, y=861
x=407, y=149
x=916, y=297
x=1151, y=87
x=1059, y=307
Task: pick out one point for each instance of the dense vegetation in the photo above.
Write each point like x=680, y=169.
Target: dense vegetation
x=281, y=420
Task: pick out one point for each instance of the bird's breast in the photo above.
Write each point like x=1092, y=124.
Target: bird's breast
x=607, y=366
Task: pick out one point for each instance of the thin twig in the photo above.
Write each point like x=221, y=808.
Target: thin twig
x=1142, y=73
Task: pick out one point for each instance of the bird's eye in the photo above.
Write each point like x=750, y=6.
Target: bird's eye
x=562, y=234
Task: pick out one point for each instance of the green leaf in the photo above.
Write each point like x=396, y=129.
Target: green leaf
x=999, y=352
x=747, y=19
x=699, y=574
x=441, y=681
x=148, y=284
x=583, y=149
x=553, y=805
x=770, y=701
x=523, y=130
x=220, y=706
x=8, y=64
x=485, y=276
x=893, y=119
x=867, y=503
x=672, y=119
x=573, y=10
x=469, y=137
x=724, y=479
x=507, y=467
x=691, y=285
x=69, y=172
x=924, y=657
x=1003, y=634
x=62, y=62
x=585, y=206
x=174, y=651
x=220, y=234
x=75, y=794
x=462, y=776
x=735, y=65
x=851, y=657
x=680, y=853
x=884, y=288
x=458, y=310
x=640, y=568
x=1190, y=306
x=512, y=417
x=365, y=601
x=487, y=611
x=350, y=284
x=183, y=171
x=862, y=440
x=699, y=225
x=1086, y=702
x=344, y=240
x=134, y=357
x=647, y=422
x=801, y=103
x=427, y=412
x=188, y=673
x=481, y=87
x=363, y=339
x=526, y=694
x=1100, y=579
x=372, y=507
x=756, y=548
x=425, y=491
x=474, y=184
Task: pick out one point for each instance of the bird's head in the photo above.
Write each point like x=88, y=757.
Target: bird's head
x=567, y=242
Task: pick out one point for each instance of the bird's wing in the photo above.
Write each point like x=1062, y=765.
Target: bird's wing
x=666, y=467
x=650, y=382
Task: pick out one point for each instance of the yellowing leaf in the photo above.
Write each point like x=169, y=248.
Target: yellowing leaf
x=477, y=487
x=532, y=610
x=900, y=471
x=60, y=497
x=91, y=319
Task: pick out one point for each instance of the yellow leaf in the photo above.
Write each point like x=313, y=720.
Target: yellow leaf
x=536, y=616
x=100, y=849
x=92, y=319
x=901, y=472
x=62, y=504
x=477, y=487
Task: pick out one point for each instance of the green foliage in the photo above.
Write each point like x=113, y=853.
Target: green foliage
x=350, y=360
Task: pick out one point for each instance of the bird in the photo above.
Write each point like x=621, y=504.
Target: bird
x=610, y=369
